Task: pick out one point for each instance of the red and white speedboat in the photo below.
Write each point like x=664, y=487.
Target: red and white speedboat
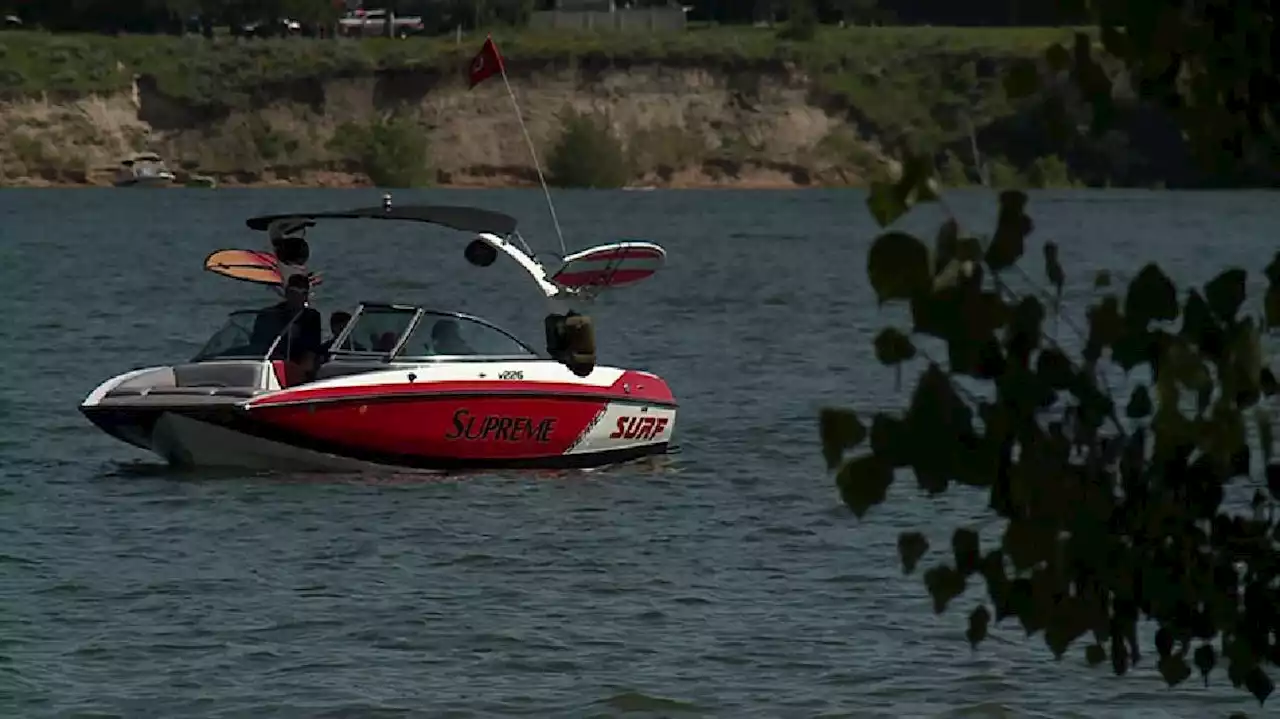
x=404, y=385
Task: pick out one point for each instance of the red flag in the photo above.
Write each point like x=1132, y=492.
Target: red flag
x=486, y=63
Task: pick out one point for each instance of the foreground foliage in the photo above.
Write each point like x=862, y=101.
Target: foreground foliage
x=1110, y=519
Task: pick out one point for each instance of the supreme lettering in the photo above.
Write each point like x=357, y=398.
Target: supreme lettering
x=499, y=428
x=642, y=427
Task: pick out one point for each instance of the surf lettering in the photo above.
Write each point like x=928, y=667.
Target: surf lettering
x=644, y=427
x=498, y=428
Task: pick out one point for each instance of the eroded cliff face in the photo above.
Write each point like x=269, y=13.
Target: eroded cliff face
x=681, y=126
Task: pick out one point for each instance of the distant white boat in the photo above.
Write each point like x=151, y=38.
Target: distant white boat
x=144, y=170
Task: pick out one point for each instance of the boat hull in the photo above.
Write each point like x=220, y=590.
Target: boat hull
x=186, y=437
x=147, y=182
x=362, y=422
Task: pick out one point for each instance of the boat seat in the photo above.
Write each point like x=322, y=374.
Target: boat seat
x=218, y=374
x=158, y=377
x=340, y=368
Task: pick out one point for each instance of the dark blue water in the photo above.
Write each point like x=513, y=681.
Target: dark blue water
x=725, y=581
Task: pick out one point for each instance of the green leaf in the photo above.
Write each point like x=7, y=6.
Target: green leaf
x=965, y=550
x=1271, y=306
x=890, y=440
x=1057, y=57
x=1151, y=297
x=1053, y=268
x=979, y=621
x=893, y=347
x=1222, y=434
x=1115, y=42
x=1266, y=433
x=1244, y=373
x=1180, y=362
x=1267, y=382
x=841, y=430
x=955, y=272
x=1132, y=349
x=1273, y=480
x=1139, y=403
x=1101, y=279
x=1272, y=270
x=1205, y=659
x=885, y=204
x=1012, y=227
x=1199, y=326
x=898, y=266
x=1026, y=543
x=1226, y=292
x=947, y=243
x=1025, y=324
x=863, y=483
x=1259, y=684
x=911, y=547
x=1174, y=669
x=1022, y=79
x=889, y=201
x=1055, y=370
x=944, y=584
x=969, y=249
x=1094, y=654
x=917, y=183
x=1106, y=326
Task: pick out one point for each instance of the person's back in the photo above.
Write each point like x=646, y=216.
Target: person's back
x=301, y=344
x=446, y=339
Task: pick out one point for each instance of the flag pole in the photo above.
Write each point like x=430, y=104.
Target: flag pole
x=502, y=67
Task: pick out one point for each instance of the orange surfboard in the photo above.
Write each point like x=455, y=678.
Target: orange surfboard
x=249, y=266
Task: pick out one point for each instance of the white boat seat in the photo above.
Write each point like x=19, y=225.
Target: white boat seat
x=219, y=374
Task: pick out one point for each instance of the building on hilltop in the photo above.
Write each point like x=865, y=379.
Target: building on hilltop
x=619, y=15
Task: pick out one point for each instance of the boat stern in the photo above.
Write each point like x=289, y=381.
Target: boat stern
x=134, y=406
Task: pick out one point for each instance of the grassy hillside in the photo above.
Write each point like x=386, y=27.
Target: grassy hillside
x=911, y=78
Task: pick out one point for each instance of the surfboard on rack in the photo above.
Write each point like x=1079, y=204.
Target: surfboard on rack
x=610, y=266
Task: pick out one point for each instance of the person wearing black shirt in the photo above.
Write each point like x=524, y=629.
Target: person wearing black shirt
x=300, y=347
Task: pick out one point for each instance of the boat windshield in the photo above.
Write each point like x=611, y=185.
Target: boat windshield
x=375, y=329
x=247, y=334
x=440, y=334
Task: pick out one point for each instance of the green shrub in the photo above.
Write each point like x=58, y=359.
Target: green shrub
x=1050, y=171
x=393, y=151
x=587, y=154
x=952, y=171
x=802, y=22
x=1004, y=174
x=665, y=149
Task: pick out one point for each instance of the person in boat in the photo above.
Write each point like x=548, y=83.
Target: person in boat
x=338, y=321
x=447, y=340
x=301, y=347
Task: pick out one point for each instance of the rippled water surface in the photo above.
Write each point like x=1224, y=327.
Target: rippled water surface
x=727, y=580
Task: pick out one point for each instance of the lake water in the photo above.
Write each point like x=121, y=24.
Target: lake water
x=726, y=581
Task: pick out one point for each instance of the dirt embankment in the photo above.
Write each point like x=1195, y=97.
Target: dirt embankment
x=680, y=126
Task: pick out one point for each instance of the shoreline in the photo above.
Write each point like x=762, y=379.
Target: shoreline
x=749, y=179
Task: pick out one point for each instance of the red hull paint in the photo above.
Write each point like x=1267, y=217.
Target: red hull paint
x=643, y=388
x=464, y=428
